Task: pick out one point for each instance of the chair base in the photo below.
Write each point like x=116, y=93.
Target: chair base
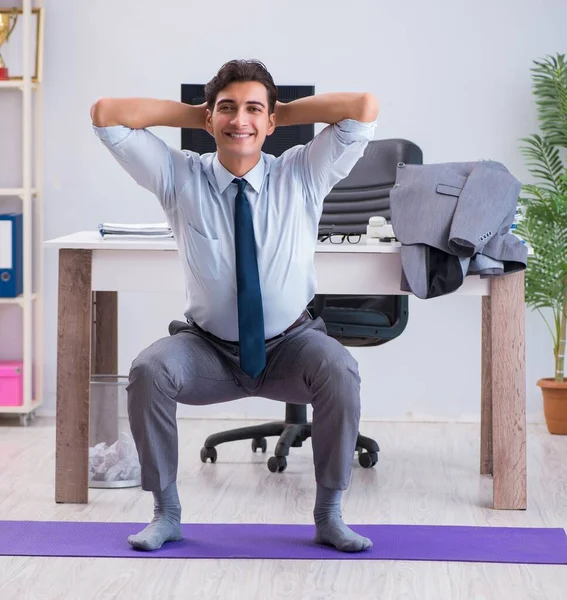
x=292, y=433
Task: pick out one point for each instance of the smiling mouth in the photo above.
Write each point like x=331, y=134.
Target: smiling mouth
x=239, y=136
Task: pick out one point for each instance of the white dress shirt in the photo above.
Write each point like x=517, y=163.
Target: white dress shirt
x=286, y=198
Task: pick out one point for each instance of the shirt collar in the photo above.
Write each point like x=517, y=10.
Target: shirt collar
x=224, y=177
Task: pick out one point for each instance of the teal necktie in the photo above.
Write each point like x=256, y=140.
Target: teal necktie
x=250, y=313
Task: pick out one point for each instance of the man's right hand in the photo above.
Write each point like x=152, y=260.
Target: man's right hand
x=139, y=113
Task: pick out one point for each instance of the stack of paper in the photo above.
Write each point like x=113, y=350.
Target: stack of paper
x=129, y=230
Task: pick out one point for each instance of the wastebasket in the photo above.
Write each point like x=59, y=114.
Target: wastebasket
x=113, y=459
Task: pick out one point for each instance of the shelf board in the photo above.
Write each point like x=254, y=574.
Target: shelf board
x=20, y=409
x=16, y=191
x=17, y=300
x=15, y=84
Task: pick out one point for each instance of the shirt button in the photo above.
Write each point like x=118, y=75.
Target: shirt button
x=401, y=165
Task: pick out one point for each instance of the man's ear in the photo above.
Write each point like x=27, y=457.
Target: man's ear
x=209, y=121
x=272, y=124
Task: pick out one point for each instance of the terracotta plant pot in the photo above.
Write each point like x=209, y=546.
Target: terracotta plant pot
x=554, y=404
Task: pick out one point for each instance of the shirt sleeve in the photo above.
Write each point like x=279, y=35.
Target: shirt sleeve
x=153, y=164
x=331, y=154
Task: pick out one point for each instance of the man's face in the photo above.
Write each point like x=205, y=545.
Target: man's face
x=240, y=120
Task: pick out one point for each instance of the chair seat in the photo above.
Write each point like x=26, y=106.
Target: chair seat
x=361, y=320
x=362, y=317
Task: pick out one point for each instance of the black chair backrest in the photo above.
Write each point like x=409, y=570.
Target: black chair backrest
x=365, y=320
x=365, y=192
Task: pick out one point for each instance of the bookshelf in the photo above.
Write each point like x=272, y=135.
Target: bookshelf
x=28, y=197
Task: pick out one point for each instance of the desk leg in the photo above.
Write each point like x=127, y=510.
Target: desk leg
x=486, y=466
x=507, y=316
x=73, y=373
x=104, y=355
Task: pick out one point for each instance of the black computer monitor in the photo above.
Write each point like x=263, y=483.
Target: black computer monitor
x=198, y=140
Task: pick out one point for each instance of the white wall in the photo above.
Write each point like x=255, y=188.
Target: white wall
x=451, y=76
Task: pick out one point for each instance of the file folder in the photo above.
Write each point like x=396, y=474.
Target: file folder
x=11, y=255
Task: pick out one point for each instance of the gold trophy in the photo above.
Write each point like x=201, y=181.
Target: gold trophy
x=7, y=23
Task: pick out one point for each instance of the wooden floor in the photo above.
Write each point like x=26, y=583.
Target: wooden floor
x=427, y=474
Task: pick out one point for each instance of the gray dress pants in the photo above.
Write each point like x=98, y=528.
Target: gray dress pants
x=304, y=366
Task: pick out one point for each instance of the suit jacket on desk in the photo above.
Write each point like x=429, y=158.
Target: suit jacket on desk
x=453, y=220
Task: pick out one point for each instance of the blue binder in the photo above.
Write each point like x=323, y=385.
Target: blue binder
x=11, y=255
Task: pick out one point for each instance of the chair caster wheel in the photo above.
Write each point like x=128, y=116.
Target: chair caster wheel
x=277, y=464
x=208, y=453
x=367, y=459
x=261, y=443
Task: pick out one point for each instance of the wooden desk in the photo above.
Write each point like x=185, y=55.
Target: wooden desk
x=92, y=271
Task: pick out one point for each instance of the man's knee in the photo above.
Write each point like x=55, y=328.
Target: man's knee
x=334, y=363
x=152, y=368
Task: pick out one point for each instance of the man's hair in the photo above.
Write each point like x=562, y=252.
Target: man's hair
x=241, y=70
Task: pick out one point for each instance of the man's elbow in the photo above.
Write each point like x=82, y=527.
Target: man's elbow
x=368, y=108
x=100, y=114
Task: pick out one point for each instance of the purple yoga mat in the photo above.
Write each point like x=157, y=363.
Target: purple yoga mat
x=391, y=542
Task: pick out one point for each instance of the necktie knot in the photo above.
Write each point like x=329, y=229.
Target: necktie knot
x=241, y=183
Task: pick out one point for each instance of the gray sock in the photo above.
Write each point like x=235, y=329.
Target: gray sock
x=331, y=529
x=165, y=526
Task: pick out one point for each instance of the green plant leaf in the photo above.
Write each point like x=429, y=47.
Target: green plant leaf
x=544, y=162
x=549, y=78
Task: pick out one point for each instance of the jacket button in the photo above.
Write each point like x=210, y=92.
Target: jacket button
x=401, y=165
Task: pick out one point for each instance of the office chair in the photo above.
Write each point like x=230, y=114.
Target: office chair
x=352, y=320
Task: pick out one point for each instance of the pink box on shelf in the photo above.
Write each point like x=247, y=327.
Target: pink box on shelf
x=11, y=383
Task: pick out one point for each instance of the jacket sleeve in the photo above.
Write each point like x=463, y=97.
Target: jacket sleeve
x=486, y=204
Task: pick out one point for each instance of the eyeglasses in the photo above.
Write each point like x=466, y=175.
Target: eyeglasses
x=337, y=237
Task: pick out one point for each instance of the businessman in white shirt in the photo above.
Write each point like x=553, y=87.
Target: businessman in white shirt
x=246, y=226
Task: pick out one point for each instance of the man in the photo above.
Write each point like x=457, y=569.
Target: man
x=246, y=228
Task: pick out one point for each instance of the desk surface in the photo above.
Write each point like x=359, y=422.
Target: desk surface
x=123, y=265
x=92, y=240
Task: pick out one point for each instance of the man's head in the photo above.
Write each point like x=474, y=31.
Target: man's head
x=241, y=101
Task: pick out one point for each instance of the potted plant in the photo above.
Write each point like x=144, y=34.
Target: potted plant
x=543, y=224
